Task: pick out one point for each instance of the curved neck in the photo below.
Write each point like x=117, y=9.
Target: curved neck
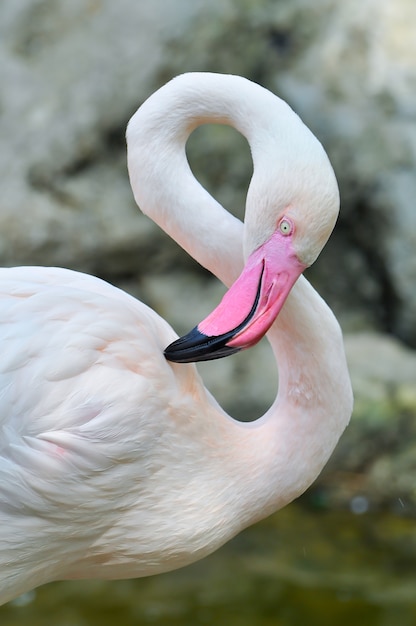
x=275, y=458
x=314, y=402
x=162, y=181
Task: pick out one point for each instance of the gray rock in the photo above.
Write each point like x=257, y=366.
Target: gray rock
x=376, y=457
x=353, y=80
x=72, y=74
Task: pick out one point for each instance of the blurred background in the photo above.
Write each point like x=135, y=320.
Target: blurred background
x=72, y=74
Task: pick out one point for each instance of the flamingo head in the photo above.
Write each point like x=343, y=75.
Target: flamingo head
x=251, y=305
x=290, y=214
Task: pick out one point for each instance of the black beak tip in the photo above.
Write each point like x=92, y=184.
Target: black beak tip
x=195, y=346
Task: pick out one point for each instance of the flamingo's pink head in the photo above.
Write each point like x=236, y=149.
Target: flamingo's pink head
x=250, y=306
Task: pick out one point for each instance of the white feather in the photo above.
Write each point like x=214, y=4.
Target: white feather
x=114, y=462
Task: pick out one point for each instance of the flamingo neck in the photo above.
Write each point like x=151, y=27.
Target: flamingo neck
x=277, y=457
x=163, y=184
x=272, y=460
x=314, y=402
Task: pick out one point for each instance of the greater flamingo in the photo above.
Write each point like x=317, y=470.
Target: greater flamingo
x=116, y=462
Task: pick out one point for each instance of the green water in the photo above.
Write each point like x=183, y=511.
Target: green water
x=300, y=567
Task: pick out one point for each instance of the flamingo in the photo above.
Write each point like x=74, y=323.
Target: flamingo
x=115, y=460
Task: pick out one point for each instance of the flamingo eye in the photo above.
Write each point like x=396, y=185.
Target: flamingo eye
x=285, y=227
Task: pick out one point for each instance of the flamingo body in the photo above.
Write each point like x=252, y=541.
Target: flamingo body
x=114, y=461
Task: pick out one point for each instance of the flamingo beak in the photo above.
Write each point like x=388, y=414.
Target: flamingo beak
x=249, y=307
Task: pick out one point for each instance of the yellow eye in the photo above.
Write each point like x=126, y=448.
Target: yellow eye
x=285, y=227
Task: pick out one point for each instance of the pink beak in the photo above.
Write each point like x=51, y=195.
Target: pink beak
x=249, y=307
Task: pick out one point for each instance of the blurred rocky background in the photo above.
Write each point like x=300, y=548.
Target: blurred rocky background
x=71, y=75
